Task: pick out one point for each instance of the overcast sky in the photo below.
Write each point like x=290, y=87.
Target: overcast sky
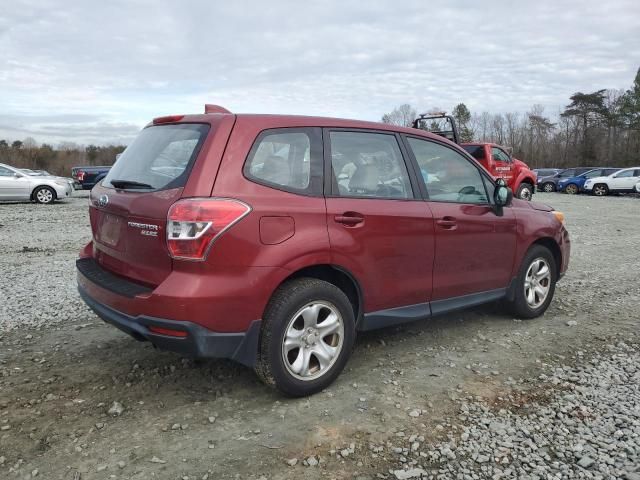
x=89, y=71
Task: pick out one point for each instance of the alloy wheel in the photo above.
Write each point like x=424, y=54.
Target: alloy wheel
x=313, y=340
x=548, y=187
x=44, y=195
x=600, y=190
x=537, y=283
x=571, y=189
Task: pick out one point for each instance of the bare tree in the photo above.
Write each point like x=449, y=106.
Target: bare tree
x=403, y=116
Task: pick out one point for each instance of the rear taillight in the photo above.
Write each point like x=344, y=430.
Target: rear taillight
x=80, y=176
x=193, y=224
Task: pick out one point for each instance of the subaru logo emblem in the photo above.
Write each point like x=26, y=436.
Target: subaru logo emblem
x=103, y=200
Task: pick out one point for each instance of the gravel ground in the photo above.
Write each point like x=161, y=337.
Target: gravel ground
x=81, y=400
x=589, y=429
x=38, y=248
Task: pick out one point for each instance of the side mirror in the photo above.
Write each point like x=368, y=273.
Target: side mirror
x=16, y=175
x=502, y=196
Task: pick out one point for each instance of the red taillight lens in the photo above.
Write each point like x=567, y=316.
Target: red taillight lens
x=193, y=224
x=80, y=176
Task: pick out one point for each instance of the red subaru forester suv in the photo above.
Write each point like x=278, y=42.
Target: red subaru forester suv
x=272, y=240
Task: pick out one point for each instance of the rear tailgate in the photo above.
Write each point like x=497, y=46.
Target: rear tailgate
x=128, y=211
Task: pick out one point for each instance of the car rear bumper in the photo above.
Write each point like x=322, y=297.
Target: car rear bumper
x=182, y=337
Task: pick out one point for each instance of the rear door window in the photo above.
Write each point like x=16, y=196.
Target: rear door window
x=288, y=159
x=159, y=158
x=368, y=165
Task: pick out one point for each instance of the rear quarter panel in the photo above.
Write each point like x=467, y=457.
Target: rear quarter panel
x=284, y=231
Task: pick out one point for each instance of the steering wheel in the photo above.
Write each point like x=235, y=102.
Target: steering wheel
x=468, y=190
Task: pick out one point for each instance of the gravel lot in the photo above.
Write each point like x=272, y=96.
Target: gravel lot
x=474, y=394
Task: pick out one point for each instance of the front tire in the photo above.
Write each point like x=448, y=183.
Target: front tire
x=44, y=195
x=571, y=189
x=535, y=284
x=600, y=190
x=525, y=191
x=548, y=187
x=308, y=332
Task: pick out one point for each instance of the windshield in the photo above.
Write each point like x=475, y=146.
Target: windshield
x=159, y=158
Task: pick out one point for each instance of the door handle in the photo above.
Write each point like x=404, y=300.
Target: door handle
x=448, y=223
x=350, y=219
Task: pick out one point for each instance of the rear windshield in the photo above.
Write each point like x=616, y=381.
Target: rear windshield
x=159, y=158
x=476, y=151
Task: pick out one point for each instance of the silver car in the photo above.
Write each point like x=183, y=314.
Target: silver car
x=18, y=185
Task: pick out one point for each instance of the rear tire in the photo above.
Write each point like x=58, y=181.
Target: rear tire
x=44, y=195
x=308, y=332
x=600, y=190
x=525, y=191
x=535, y=284
x=548, y=187
x=571, y=189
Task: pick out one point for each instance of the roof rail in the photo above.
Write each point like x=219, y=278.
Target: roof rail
x=211, y=108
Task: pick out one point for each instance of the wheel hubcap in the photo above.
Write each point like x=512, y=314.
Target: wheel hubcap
x=525, y=194
x=548, y=188
x=599, y=191
x=44, y=196
x=313, y=340
x=571, y=189
x=537, y=283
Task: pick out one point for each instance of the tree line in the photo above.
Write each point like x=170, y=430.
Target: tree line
x=59, y=160
x=596, y=128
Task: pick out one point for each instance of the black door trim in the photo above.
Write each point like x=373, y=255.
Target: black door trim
x=422, y=311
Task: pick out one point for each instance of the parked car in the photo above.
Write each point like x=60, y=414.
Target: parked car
x=545, y=172
x=623, y=181
x=501, y=164
x=273, y=239
x=573, y=185
x=44, y=173
x=550, y=183
x=16, y=185
x=87, y=177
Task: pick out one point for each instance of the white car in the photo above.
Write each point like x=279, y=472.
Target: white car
x=623, y=181
x=17, y=185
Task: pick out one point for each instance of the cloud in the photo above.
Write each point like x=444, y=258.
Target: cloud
x=103, y=70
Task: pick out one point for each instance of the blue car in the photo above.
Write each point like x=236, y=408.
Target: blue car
x=573, y=185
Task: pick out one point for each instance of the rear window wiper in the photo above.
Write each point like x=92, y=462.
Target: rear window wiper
x=129, y=184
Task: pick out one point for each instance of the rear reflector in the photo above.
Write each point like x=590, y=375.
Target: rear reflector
x=193, y=224
x=168, y=332
x=167, y=119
